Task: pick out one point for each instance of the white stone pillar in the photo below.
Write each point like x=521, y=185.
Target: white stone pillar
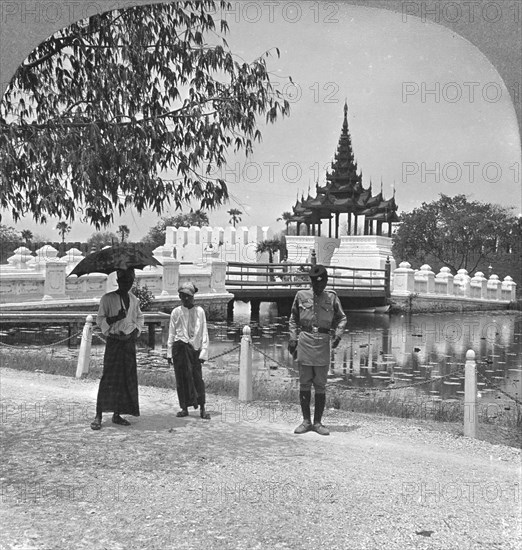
x=426, y=274
x=461, y=283
x=218, y=275
x=170, y=279
x=480, y=285
x=403, y=281
x=21, y=257
x=509, y=289
x=54, y=284
x=493, y=288
x=470, y=395
x=445, y=276
x=245, y=366
x=43, y=255
x=84, y=354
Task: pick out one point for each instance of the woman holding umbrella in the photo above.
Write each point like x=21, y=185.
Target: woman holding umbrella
x=121, y=321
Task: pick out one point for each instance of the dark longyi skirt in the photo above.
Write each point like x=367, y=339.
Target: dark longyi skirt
x=118, y=391
x=186, y=360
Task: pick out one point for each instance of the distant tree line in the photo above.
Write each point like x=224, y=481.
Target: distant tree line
x=461, y=234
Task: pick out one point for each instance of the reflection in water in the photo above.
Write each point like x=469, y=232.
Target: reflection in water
x=385, y=351
x=377, y=350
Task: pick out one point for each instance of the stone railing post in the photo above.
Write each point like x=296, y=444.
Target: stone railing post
x=170, y=279
x=245, y=366
x=445, y=276
x=21, y=257
x=480, y=285
x=54, y=284
x=427, y=278
x=84, y=356
x=509, y=289
x=461, y=283
x=403, y=279
x=493, y=288
x=470, y=395
x=218, y=275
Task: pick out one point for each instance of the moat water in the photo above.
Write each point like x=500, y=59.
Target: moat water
x=379, y=351
x=384, y=351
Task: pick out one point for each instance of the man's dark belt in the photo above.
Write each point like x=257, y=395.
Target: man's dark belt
x=315, y=330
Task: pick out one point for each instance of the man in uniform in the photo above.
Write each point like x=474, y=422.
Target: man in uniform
x=317, y=313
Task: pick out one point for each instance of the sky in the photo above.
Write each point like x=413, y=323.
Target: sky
x=427, y=114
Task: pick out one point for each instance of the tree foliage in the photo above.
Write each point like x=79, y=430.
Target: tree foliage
x=156, y=235
x=134, y=107
x=102, y=238
x=285, y=217
x=27, y=235
x=10, y=240
x=456, y=233
x=144, y=295
x=123, y=232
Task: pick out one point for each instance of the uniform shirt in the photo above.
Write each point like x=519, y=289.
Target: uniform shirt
x=110, y=305
x=323, y=311
x=190, y=326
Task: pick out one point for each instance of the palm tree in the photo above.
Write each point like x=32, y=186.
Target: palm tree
x=123, y=232
x=63, y=228
x=27, y=236
x=270, y=246
x=286, y=217
x=235, y=216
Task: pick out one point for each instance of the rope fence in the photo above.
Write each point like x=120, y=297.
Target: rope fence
x=42, y=346
x=496, y=387
x=391, y=387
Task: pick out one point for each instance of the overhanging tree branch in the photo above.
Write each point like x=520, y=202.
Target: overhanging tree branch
x=102, y=124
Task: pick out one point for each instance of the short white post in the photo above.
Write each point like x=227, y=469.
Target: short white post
x=470, y=395
x=245, y=366
x=84, y=356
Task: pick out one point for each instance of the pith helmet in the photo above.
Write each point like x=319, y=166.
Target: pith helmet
x=318, y=272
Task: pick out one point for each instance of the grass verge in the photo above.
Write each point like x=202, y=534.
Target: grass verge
x=499, y=423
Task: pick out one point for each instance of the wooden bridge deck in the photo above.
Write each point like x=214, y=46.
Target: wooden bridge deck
x=269, y=282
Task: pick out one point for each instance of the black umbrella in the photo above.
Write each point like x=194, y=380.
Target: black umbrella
x=112, y=258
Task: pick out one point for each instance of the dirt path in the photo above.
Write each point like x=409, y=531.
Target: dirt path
x=242, y=480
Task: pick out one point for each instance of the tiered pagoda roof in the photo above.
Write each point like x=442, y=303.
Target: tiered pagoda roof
x=344, y=191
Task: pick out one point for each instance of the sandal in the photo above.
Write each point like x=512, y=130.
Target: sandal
x=181, y=414
x=204, y=415
x=121, y=421
x=96, y=424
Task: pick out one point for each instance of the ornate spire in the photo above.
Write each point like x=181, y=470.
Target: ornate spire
x=344, y=172
x=343, y=191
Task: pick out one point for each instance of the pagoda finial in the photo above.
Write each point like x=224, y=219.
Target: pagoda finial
x=381, y=185
x=345, y=121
